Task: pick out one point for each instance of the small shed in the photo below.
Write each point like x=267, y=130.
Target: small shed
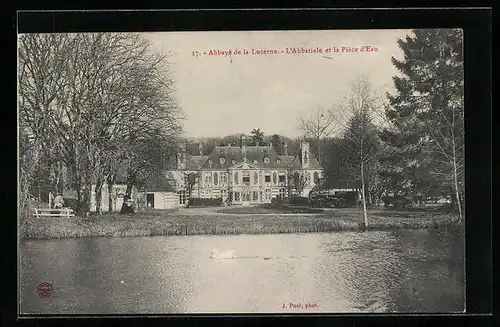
x=160, y=194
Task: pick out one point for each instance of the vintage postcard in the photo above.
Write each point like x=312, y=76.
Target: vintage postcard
x=297, y=171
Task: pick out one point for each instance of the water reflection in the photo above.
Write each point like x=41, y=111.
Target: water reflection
x=403, y=271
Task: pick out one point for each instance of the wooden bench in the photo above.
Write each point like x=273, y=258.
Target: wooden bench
x=46, y=212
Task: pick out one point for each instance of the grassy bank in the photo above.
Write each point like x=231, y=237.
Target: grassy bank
x=160, y=222
x=270, y=209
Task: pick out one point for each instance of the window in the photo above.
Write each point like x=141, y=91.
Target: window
x=223, y=178
x=223, y=194
x=222, y=160
x=267, y=178
x=182, y=197
x=275, y=178
x=266, y=160
x=233, y=161
x=278, y=161
x=281, y=193
x=236, y=196
x=316, y=177
x=282, y=178
x=246, y=178
x=268, y=194
x=305, y=157
x=255, y=195
x=208, y=178
x=236, y=178
x=210, y=162
x=216, y=178
x=255, y=178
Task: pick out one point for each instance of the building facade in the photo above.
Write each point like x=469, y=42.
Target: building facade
x=245, y=174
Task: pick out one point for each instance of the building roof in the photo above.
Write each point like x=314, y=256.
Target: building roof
x=253, y=154
x=195, y=162
x=313, y=163
x=160, y=184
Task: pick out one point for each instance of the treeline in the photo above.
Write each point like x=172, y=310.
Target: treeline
x=407, y=146
x=88, y=105
x=205, y=145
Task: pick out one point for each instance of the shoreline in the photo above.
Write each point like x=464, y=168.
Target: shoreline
x=154, y=223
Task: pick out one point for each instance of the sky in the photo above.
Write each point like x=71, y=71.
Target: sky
x=233, y=94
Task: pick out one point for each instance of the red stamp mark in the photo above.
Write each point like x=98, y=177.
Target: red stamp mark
x=305, y=305
x=44, y=290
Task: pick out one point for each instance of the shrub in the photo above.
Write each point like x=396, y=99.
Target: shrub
x=71, y=203
x=278, y=201
x=299, y=201
x=202, y=202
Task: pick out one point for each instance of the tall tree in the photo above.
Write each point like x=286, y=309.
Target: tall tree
x=257, y=136
x=277, y=143
x=318, y=124
x=427, y=110
x=360, y=146
x=296, y=182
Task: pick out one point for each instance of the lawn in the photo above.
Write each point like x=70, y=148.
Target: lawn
x=270, y=209
x=160, y=222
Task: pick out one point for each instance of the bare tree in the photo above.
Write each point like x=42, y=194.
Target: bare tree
x=360, y=146
x=319, y=123
x=445, y=129
x=296, y=182
x=94, y=95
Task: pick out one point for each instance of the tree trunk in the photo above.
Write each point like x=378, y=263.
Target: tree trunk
x=84, y=204
x=131, y=179
x=365, y=214
x=455, y=180
x=319, y=151
x=457, y=195
x=110, y=181
x=98, y=197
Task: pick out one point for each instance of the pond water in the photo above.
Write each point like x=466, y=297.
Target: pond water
x=397, y=271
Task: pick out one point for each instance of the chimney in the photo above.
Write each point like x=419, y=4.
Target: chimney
x=200, y=148
x=305, y=154
x=285, y=148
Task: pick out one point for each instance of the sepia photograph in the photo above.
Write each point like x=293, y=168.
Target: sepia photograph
x=290, y=171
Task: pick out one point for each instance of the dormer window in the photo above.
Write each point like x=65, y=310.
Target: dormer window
x=255, y=161
x=266, y=160
x=233, y=161
x=278, y=161
x=210, y=162
x=222, y=160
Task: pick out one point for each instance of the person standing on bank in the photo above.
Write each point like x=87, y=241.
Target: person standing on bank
x=127, y=206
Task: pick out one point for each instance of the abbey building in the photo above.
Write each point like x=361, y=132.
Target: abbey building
x=245, y=174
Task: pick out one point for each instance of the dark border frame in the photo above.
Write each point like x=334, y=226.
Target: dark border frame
x=476, y=24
